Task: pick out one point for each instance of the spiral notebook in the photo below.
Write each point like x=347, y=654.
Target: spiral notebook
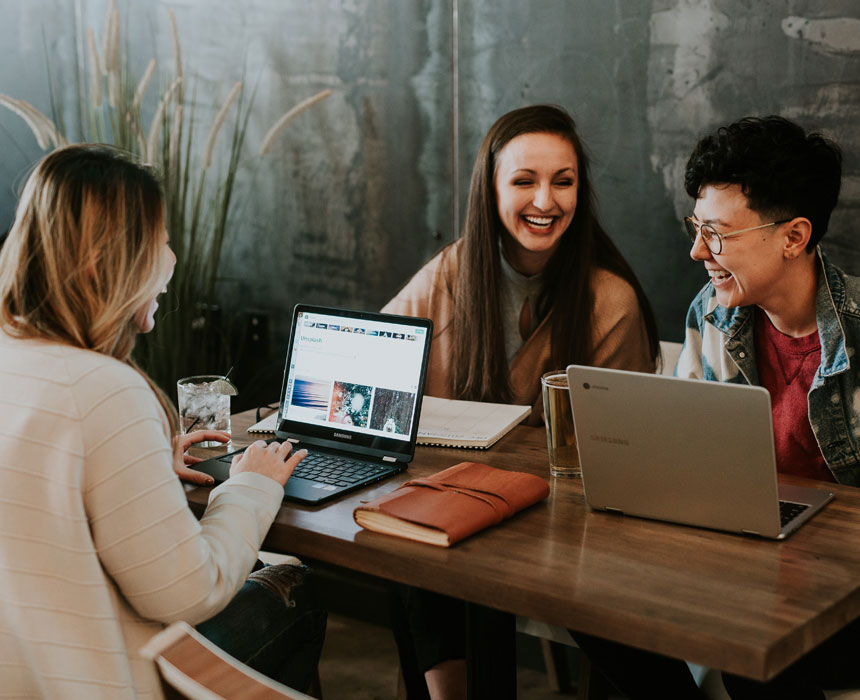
x=475, y=424
x=269, y=424
x=450, y=423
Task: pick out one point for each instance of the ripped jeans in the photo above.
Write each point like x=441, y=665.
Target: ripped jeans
x=273, y=625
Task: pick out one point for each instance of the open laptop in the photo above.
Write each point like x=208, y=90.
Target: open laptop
x=688, y=451
x=352, y=391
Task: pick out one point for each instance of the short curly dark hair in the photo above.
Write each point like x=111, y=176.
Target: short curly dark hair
x=783, y=171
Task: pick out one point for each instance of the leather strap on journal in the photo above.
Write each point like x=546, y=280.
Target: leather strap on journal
x=485, y=496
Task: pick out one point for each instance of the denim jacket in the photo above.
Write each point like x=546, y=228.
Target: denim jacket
x=720, y=346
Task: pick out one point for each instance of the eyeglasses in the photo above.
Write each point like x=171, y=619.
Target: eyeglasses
x=714, y=240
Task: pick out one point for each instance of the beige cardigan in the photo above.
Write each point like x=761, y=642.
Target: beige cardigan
x=98, y=547
x=620, y=339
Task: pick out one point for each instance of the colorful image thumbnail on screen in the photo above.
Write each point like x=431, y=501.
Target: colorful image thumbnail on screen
x=350, y=404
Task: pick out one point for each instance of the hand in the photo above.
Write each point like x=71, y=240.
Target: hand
x=272, y=460
x=180, y=459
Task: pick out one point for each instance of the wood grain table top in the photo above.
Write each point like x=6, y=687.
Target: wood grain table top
x=734, y=603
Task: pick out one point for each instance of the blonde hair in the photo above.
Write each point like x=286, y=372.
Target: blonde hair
x=84, y=254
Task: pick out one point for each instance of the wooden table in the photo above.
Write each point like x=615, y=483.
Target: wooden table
x=728, y=602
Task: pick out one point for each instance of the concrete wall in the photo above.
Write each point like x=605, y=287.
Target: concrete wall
x=359, y=192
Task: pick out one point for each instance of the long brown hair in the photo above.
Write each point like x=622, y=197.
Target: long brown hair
x=83, y=255
x=480, y=370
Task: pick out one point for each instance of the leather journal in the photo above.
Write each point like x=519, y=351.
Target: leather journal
x=451, y=505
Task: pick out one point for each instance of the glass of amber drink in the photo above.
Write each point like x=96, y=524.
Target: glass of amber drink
x=560, y=435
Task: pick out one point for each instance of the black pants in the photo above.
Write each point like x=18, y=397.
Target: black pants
x=274, y=624
x=642, y=675
x=429, y=628
x=639, y=674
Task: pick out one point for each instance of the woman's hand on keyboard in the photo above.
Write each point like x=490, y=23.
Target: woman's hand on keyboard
x=273, y=460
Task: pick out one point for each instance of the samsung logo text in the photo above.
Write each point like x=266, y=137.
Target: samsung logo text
x=609, y=439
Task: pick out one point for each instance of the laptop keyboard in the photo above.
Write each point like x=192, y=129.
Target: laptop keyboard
x=338, y=471
x=331, y=469
x=788, y=511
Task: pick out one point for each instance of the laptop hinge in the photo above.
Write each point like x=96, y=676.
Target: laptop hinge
x=389, y=458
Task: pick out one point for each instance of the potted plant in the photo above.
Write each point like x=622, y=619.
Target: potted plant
x=199, y=187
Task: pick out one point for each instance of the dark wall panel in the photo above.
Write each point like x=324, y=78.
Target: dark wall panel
x=359, y=192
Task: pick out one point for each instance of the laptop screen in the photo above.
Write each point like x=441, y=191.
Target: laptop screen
x=355, y=378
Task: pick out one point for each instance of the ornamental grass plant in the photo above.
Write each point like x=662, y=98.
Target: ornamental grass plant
x=198, y=175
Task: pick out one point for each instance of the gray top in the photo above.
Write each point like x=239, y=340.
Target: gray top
x=516, y=289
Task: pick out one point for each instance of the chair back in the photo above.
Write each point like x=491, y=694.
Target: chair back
x=192, y=667
x=669, y=351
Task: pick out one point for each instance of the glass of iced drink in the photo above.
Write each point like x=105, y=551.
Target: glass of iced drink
x=204, y=404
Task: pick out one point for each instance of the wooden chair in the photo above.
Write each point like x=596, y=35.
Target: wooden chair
x=670, y=352
x=553, y=640
x=190, y=666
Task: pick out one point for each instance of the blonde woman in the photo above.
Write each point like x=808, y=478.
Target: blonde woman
x=98, y=549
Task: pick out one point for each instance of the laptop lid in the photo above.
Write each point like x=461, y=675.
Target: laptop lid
x=688, y=451
x=354, y=381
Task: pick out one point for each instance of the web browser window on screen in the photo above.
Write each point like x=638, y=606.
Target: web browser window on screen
x=354, y=374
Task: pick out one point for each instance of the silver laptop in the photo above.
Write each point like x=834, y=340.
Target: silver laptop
x=687, y=451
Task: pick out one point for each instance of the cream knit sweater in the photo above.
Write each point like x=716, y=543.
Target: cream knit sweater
x=97, y=545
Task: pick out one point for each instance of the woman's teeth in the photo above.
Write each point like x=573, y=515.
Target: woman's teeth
x=539, y=221
x=719, y=274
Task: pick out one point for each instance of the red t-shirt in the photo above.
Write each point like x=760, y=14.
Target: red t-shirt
x=786, y=368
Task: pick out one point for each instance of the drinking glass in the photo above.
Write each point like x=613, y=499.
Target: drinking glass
x=203, y=405
x=560, y=435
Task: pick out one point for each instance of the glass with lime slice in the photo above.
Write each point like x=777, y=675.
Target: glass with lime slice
x=204, y=404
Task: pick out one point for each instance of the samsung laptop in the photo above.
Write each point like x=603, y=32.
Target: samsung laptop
x=682, y=450
x=352, y=391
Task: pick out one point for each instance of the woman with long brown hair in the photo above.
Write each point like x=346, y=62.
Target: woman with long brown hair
x=98, y=548
x=533, y=284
